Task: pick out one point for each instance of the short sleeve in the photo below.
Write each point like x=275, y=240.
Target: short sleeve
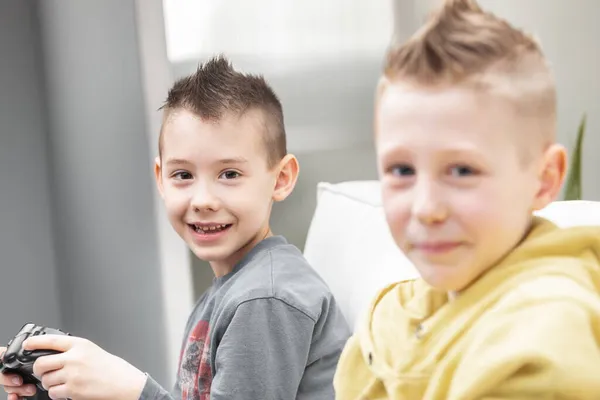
x=263, y=352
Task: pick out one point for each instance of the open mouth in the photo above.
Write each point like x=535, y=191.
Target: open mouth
x=209, y=229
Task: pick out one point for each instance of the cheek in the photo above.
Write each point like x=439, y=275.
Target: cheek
x=176, y=202
x=474, y=209
x=488, y=208
x=396, y=206
x=250, y=201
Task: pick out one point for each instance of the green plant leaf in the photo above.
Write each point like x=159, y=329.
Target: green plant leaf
x=573, y=185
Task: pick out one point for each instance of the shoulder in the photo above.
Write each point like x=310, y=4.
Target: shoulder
x=550, y=289
x=529, y=313
x=282, y=273
x=538, y=343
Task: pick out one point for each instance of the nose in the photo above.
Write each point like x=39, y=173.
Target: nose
x=204, y=198
x=429, y=205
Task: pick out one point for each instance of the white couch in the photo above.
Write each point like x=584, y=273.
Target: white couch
x=349, y=243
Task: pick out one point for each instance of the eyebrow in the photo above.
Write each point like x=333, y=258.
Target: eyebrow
x=177, y=161
x=469, y=152
x=233, y=160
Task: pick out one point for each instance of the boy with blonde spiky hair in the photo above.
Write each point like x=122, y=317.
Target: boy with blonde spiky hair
x=508, y=306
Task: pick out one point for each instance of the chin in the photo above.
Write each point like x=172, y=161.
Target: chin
x=441, y=281
x=440, y=284
x=211, y=255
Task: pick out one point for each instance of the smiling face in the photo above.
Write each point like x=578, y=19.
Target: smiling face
x=216, y=183
x=456, y=192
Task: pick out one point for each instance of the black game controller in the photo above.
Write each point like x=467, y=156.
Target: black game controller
x=20, y=362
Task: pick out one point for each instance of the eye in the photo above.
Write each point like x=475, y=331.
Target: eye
x=182, y=175
x=229, y=174
x=462, y=170
x=402, y=170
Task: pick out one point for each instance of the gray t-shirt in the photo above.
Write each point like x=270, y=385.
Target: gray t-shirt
x=270, y=329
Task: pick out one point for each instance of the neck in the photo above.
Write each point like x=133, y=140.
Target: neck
x=453, y=294
x=223, y=267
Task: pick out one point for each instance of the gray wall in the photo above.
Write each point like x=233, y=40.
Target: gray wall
x=105, y=234
x=27, y=267
x=78, y=240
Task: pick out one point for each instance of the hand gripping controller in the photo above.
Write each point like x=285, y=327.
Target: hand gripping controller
x=20, y=362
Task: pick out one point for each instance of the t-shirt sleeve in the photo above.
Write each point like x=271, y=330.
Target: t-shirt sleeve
x=153, y=391
x=263, y=352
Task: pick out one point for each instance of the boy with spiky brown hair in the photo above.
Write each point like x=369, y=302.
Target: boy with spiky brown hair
x=268, y=327
x=508, y=304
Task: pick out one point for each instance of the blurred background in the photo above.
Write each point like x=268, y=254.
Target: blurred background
x=84, y=243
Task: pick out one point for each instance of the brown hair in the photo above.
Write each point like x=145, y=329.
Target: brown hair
x=462, y=44
x=216, y=89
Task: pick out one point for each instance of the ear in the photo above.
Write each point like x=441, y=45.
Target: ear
x=551, y=175
x=158, y=176
x=285, y=181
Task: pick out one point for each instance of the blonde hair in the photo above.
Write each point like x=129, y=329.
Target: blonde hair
x=460, y=44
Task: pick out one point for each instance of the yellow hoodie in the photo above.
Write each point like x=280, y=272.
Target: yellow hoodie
x=527, y=329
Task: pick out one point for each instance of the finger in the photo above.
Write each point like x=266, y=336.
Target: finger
x=10, y=380
x=50, y=342
x=46, y=364
x=58, y=392
x=21, y=391
x=53, y=378
x=12, y=396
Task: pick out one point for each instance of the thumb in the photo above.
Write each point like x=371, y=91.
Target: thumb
x=49, y=342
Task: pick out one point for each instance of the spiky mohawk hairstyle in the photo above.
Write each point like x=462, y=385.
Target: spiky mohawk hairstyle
x=462, y=44
x=216, y=89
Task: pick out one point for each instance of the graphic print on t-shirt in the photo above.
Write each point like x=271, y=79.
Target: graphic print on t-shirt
x=194, y=369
